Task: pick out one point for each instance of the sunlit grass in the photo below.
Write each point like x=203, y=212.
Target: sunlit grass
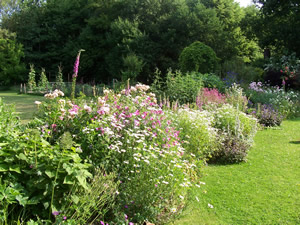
x=264, y=190
x=24, y=104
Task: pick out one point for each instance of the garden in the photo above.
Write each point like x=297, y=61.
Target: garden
x=144, y=132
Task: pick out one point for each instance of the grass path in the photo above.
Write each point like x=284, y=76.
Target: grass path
x=265, y=190
x=24, y=104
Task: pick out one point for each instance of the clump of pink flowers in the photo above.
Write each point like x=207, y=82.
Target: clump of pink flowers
x=210, y=96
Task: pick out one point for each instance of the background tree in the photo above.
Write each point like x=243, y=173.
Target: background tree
x=12, y=70
x=279, y=25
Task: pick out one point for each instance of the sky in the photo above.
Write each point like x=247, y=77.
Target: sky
x=244, y=3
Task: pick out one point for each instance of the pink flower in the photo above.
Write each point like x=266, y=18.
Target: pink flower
x=76, y=65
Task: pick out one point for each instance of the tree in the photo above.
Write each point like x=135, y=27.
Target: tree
x=12, y=70
x=279, y=25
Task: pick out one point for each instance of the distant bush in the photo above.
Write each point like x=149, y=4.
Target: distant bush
x=198, y=57
x=236, y=71
x=211, y=80
x=177, y=87
x=267, y=116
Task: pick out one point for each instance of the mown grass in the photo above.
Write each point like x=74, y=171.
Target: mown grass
x=24, y=104
x=264, y=190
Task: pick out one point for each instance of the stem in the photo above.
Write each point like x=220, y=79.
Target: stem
x=54, y=184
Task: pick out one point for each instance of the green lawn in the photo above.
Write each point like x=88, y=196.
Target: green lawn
x=265, y=190
x=24, y=104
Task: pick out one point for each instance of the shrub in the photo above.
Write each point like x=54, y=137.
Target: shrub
x=232, y=149
x=196, y=128
x=268, y=116
x=198, y=57
x=31, y=78
x=230, y=120
x=236, y=133
x=179, y=87
x=59, y=82
x=236, y=71
x=43, y=82
x=212, y=81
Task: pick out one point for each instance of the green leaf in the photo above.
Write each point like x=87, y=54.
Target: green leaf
x=50, y=174
x=68, y=180
x=46, y=205
x=75, y=199
x=15, y=168
x=3, y=168
x=22, y=200
x=3, y=144
x=22, y=157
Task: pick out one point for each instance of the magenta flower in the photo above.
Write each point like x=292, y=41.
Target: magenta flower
x=55, y=213
x=76, y=65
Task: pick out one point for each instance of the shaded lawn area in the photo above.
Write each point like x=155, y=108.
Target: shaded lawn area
x=24, y=104
x=264, y=190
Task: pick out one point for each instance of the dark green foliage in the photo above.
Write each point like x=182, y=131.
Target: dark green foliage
x=243, y=73
x=110, y=31
x=12, y=69
x=278, y=25
x=211, y=80
x=198, y=57
x=178, y=87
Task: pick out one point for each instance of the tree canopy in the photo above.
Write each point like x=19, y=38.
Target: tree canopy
x=119, y=35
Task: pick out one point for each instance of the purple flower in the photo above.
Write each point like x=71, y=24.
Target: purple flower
x=126, y=206
x=65, y=218
x=55, y=213
x=102, y=223
x=131, y=223
x=76, y=65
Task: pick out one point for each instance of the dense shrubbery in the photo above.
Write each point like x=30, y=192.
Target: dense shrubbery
x=285, y=103
x=177, y=87
x=198, y=57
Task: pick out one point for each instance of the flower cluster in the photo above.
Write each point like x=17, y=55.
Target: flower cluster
x=56, y=93
x=208, y=95
x=256, y=86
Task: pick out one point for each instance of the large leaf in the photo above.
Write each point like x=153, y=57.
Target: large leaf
x=3, y=168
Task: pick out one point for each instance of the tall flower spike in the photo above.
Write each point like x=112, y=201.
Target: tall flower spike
x=76, y=65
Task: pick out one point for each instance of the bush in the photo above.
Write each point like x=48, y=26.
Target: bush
x=230, y=120
x=211, y=80
x=178, y=87
x=236, y=71
x=232, y=149
x=268, y=116
x=198, y=57
x=196, y=128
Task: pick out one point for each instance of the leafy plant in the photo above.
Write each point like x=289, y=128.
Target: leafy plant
x=178, y=87
x=31, y=78
x=198, y=57
x=43, y=82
